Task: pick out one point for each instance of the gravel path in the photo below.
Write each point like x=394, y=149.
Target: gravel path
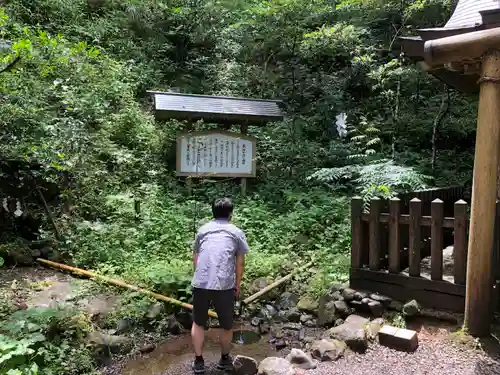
x=433, y=357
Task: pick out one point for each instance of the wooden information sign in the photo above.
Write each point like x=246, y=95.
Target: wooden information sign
x=216, y=153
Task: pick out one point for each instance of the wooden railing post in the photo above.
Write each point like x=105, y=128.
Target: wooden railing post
x=460, y=242
x=394, y=236
x=414, y=248
x=375, y=208
x=437, y=217
x=356, y=232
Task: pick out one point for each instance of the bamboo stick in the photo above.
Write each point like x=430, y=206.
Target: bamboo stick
x=93, y=275
x=268, y=288
x=122, y=284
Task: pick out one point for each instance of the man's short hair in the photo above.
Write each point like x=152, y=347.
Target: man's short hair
x=222, y=208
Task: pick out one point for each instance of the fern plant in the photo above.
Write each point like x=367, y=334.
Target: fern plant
x=382, y=179
x=365, y=137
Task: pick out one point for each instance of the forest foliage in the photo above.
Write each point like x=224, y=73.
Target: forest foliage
x=75, y=105
x=75, y=112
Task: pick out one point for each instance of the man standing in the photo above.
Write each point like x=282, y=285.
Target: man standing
x=219, y=261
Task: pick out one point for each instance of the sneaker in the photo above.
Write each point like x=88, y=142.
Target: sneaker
x=199, y=367
x=225, y=364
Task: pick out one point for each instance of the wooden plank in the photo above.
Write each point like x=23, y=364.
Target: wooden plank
x=425, y=221
x=437, y=210
x=394, y=235
x=356, y=232
x=408, y=282
x=374, y=235
x=460, y=243
x=427, y=298
x=243, y=182
x=414, y=246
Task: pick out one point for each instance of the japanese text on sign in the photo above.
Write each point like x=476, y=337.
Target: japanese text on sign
x=218, y=154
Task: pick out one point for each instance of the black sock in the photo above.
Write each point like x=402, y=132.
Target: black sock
x=199, y=358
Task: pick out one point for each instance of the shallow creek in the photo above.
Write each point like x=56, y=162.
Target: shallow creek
x=179, y=350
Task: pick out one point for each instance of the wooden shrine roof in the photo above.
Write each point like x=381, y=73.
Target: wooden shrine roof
x=468, y=16
x=216, y=109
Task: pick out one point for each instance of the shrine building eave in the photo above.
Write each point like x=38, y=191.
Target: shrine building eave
x=468, y=16
x=216, y=109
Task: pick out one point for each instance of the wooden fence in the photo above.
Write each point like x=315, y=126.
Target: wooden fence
x=388, y=246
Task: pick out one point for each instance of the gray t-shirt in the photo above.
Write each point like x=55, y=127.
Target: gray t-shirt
x=217, y=244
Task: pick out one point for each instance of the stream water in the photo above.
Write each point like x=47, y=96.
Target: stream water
x=178, y=351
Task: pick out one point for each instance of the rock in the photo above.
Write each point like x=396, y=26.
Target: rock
x=45, y=252
x=280, y=344
x=348, y=294
x=18, y=257
x=339, y=322
x=155, y=311
x=365, y=301
x=327, y=350
x=357, y=320
x=307, y=304
x=185, y=319
x=342, y=309
x=336, y=288
x=275, y=366
x=411, y=308
x=376, y=308
x=311, y=323
x=292, y=326
x=271, y=310
x=302, y=334
x=305, y=318
x=256, y=322
x=395, y=306
x=292, y=315
x=124, y=325
x=264, y=329
x=352, y=332
x=337, y=296
x=296, y=345
x=277, y=332
x=384, y=300
x=374, y=327
x=327, y=313
x=174, y=327
x=148, y=348
x=299, y=359
x=245, y=365
x=358, y=306
x=308, y=340
x=113, y=344
x=360, y=294
x=267, y=313
x=287, y=301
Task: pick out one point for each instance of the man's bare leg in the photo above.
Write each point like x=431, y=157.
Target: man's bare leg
x=226, y=338
x=198, y=337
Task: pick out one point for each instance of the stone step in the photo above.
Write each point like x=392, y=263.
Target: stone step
x=398, y=338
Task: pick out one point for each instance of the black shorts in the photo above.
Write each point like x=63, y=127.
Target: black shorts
x=223, y=301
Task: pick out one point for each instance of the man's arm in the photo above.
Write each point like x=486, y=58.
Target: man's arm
x=240, y=269
x=240, y=260
x=195, y=260
x=196, y=250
